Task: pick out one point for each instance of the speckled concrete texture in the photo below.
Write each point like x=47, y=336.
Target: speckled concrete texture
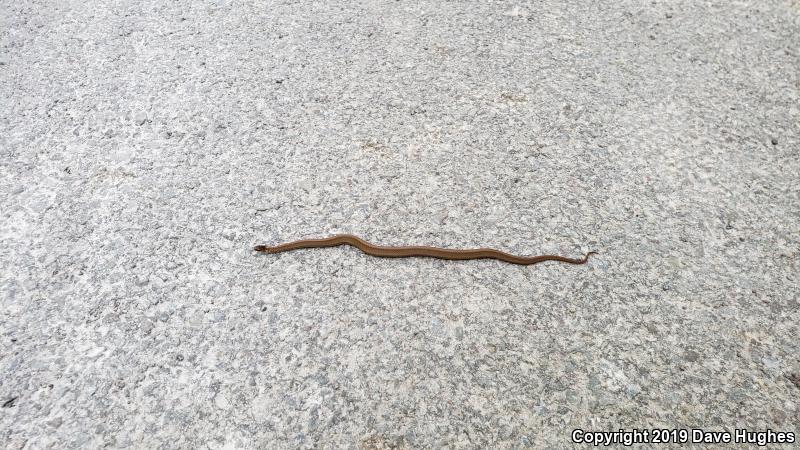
x=146, y=146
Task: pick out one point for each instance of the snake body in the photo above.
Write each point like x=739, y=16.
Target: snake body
x=405, y=252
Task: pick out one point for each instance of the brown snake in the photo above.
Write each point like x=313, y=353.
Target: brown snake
x=404, y=252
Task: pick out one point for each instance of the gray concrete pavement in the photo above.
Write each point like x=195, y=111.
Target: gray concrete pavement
x=145, y=147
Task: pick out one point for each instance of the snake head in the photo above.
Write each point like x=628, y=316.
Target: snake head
x=586, y=258
x=261, y=248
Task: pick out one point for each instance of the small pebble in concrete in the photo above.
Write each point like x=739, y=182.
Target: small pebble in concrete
x=140, y=118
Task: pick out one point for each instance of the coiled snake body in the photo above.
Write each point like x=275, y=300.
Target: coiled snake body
x=404, y=252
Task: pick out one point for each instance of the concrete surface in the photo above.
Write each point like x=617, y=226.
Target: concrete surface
x=146, y=147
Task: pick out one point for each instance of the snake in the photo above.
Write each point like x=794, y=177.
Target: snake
x=412, y=251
